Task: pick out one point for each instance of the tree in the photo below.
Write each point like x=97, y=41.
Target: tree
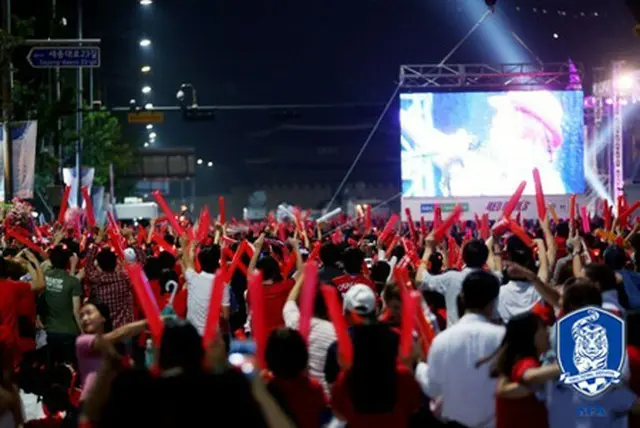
x=33, y=99
x=103, y=146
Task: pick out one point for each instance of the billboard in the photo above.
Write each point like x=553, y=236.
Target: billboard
x=476, y=147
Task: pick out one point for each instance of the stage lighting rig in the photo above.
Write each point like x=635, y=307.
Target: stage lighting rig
x=491, y=4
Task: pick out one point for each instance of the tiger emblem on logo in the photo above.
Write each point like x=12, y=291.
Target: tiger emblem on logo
x=591, y=345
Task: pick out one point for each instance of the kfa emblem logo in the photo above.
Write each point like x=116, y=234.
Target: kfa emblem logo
x=591, y=350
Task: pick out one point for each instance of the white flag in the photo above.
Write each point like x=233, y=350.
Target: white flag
x=24, y=135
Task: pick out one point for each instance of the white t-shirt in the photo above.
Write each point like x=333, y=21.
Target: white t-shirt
x=321, y=336
x=199, y=287
x=515, y=298
x=467, y=392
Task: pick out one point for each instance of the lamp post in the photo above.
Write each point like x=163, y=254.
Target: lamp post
x=79, y=114
x=7, y=89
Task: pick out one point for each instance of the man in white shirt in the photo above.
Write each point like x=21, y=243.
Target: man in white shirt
x=467, y=391
x=199, y=286
x=474, y=254
x=518, y=295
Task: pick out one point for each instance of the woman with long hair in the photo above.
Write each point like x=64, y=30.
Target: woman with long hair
x=375, y=391
x=517, y=360
x=97, y=332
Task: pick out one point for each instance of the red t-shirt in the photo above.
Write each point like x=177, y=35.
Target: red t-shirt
x=305, y=398
x=545, y=312
x=275, y=296
x=561, y=245
x=525, y=412
x=16, y=300
x=407, y=402
x=344, y=282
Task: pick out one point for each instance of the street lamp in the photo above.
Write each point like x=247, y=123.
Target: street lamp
x=200, y=161
x=153, y=136
x=149, y=126
x=146, y=89
x=145, y=69
x=145, y=42
x=209, y=164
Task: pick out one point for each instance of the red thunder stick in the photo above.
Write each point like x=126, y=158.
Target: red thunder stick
x=388, y=228
x=500, y=227
x=64, y=204
x=334, y=308
x=412, y=225
x=513, y=202
x=437, y=216
x=606, y=214
x=91, y=218
x=258, y=320
x=423, y=227
x=392, y=247
x=114, y=235
x=541, y=204
x=426, y=330
x=237, y=259
x=367, y=219
x=484, y=228
x=223, y=217
x=521, y=234
x=410, y=303
x=315, y=252
x=307, y=298
x=443, y=229
x=164, y=245
x=146, y=299
x=290, y=264
x=215, y=307
x=204, y=223
x=572, y=209
x=626, y=213
x=24, y=240
x=171, y=218
x=586, y=222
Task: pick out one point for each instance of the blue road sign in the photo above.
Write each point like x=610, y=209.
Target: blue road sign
x=64, y=57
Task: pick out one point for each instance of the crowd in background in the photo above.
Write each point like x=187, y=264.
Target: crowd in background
x=78, y=347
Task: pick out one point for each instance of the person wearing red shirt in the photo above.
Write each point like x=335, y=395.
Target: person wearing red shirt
x=276, y=288
x=353, y=258
x=516, y=360
x=375, y=391
x=17, y=306
x=299, y=395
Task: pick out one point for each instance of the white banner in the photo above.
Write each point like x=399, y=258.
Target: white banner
x=69, y=178
x=24, y=135
x=493, y=205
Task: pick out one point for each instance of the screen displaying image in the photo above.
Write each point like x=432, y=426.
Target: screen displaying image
x=486, y=143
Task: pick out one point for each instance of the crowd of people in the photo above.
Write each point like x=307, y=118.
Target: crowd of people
x=239, y=325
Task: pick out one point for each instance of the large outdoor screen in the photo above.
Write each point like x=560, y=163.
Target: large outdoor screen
x=486, y=143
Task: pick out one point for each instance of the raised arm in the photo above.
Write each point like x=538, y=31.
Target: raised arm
x=550, y=242
x=257, y=248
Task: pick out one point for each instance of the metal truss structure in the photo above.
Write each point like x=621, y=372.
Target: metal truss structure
x=486, y=76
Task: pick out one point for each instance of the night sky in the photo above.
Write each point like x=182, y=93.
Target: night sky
x=333, y=51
